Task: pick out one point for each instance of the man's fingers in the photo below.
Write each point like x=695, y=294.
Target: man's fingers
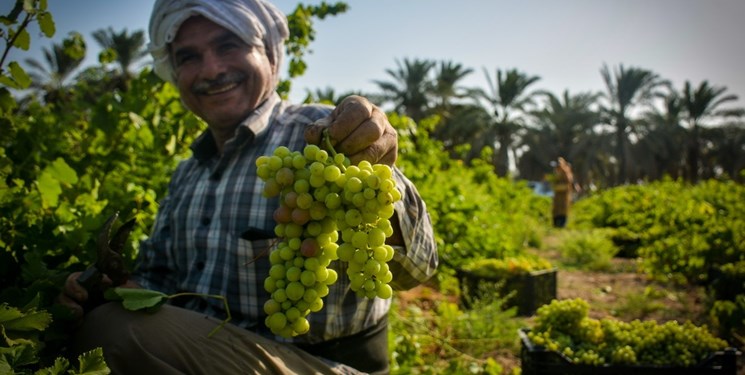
x=352, y=111
x=314, y=132
x=383, y=151
x=73, y=289
x=366, y=134
x=75, y=308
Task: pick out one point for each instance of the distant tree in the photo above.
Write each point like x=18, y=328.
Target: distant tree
x=466, y=125
x=326, y=95
x=628, y=88
x=701, y=104
x=51, y=76
x=410, y=88
x=560, y=124
x=724, y=153
x=661, y=147
x=129, y=49
x=507, y=99
x=446, y=87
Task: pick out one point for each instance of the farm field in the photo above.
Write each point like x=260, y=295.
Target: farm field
x=620, y=292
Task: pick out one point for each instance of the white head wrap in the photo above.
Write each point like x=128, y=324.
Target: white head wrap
x=257, y=22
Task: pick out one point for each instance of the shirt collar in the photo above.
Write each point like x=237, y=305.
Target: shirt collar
x=256, y=123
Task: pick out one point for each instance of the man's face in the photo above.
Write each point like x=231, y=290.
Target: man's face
x=220, y=77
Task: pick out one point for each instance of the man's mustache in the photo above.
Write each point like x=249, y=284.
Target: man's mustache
x=208, y=85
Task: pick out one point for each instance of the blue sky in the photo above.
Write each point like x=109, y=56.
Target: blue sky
x=564, y=42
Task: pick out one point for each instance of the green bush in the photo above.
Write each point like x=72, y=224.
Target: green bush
x=590, y=249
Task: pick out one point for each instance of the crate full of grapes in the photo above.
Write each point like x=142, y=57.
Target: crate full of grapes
x=524, y=282
x=566, y=341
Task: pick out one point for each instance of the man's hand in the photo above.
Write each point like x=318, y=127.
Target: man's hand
x=74, y=296
x=359, y=130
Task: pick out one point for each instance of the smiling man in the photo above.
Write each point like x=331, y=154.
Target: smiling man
x=214, y=229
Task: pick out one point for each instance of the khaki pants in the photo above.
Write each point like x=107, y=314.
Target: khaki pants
x=174, y=341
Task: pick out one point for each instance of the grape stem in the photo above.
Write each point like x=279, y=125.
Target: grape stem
x=330, y=148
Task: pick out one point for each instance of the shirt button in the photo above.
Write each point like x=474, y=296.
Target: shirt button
x=206, y=220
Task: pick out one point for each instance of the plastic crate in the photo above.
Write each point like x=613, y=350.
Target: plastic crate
x=527, y=292
x=537, y=360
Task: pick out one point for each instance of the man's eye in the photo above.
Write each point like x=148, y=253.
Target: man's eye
x=226, y=47
x=183, y=59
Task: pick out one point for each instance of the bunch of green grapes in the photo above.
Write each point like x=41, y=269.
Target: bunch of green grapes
x=368, y=196
x=563, y=326
x=564, y=315
x=299, y=275
x=321, y=196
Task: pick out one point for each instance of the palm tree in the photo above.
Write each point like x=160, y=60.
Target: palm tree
x=129, y=48
x=702, y=103
x=627, y=89
x=726, y=154
x=52, y=77
x=326, y=95
x=466, y=125
x=410, y=89
x=561, y=124
x=663, y=140
x=507, y=100
x=447, y=77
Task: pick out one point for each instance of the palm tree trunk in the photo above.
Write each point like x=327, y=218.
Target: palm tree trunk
x=503, y=158
x=693, y=154
x=622, y=176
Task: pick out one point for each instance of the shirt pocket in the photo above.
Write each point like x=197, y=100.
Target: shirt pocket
x=253, y=268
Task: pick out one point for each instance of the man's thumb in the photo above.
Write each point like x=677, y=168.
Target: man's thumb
x=314, y=131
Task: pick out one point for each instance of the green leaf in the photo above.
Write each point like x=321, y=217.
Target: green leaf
x=9, y=82
x=62, y=172
x=5, y=366
x=58, y=368
x=19, y=75
x=31, y=321
x=28, y=6
x=46, y=24
x=23, y=40
x=93, y=363
x=134, y=299
x=7, y=102
x=49, y=188
x=74, y=45
x=8, y=313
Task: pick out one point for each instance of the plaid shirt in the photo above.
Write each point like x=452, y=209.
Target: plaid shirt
x=214, y=230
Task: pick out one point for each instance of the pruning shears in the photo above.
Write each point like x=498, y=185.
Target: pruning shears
x=110, y=261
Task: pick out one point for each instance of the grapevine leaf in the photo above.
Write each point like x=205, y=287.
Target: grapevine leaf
x=28, y=6
x=33, y=320
x=60, y=365
x=46, y=24
x=5, y=366
x=62, y=172
x=9, y=82
x=8, y=313
x=137, y=299
x=49, y=188
x=23, y=40
x=19, y=75
x=7, y=103
x=93, y=363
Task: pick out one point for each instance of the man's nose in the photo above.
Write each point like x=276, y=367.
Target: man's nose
x=212, y=66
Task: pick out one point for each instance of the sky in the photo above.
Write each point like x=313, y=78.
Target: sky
x=564, y=42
